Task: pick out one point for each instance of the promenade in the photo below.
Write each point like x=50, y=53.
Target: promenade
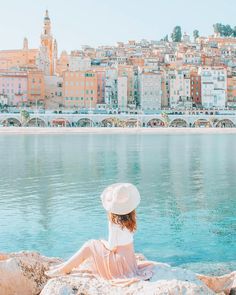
x=114, y=130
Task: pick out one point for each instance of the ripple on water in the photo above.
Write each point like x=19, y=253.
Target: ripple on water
x=50, y=194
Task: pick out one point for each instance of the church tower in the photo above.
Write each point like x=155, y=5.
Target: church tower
x=47, y=44
x=25, y=44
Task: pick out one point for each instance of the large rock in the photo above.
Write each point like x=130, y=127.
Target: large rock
x=223, y=284
x=23, y=273
x=167, y=280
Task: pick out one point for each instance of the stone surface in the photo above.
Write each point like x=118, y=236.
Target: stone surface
x=166, y=280
x=23, y=273
x=223, y=284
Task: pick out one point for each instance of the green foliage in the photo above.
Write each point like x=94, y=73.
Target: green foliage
x=166, y=39
x=195, y=34
x=176, y=36
x=24, y=115
x=224, y=30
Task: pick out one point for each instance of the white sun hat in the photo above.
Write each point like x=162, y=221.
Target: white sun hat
x=120, y=198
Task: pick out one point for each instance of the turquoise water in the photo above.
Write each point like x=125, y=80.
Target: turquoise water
x=50, y=187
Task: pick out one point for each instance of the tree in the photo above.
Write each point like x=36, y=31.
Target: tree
x=234, y=32
x=195, y=34
x=224, y=30
x=217, y=28
x=24, y=116
x=166, y=39
x=228, y=30
x=176, y=36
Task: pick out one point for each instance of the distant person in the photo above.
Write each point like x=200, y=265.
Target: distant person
x=113, y=259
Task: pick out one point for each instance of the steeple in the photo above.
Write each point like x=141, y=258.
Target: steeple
x=47, y=24
x=48, y=48
x=46, y=15
x=25, y=44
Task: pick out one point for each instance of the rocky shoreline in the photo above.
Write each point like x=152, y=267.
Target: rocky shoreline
x=23, y=273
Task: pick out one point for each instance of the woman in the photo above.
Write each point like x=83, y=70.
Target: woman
x=113, y=259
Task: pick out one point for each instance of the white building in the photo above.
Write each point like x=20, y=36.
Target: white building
x=3, y=100
x=78, y=63
x=213, y=86
x=122, y=91
x=111, y=87
x=186, y=38
x=179, y=88
x=150, y=90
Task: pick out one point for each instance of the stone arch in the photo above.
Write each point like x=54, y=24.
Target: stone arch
x=225, y=123
x=85, y=122
x=178, y=122
x=155, y=123
x=11, y=122
x=60, y=122
x=36, y=122
x=202, y=123
x=111, y=122
x=132, y=123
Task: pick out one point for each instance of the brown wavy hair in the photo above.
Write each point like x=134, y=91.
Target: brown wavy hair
x=128, y=220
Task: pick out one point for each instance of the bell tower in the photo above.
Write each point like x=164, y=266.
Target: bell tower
x=47, y=25
x=47, y=42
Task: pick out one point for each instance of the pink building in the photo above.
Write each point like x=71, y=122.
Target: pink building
x=13, y=85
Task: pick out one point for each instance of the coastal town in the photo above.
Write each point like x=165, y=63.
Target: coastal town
x=180, y=74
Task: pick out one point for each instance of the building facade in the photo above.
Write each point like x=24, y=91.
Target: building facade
x=150, y=91
x=213, y=87
x=80, y=89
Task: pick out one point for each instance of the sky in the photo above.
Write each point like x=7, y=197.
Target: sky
x=104, y=22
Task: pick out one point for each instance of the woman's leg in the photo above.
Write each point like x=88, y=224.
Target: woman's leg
x=66, y=267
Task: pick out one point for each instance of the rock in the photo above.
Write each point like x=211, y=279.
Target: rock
x=23, y=273
x=211, y=269
x=226, y=283
x=166, y=280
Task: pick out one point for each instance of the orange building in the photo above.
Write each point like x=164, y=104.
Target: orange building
x=101, y=78
x=231, y=90
x=80, y=89
x=36, y=87
x=195, y=84
x=136, y=61
x=24, y=57
x=62, y=63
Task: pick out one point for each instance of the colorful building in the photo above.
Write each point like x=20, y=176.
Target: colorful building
x=80, y=89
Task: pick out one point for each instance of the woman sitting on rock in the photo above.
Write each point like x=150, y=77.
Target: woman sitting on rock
x=113, y=259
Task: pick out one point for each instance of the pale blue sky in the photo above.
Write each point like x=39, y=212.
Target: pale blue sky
x=96, y=22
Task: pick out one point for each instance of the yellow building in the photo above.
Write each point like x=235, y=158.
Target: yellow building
x=80, y=89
